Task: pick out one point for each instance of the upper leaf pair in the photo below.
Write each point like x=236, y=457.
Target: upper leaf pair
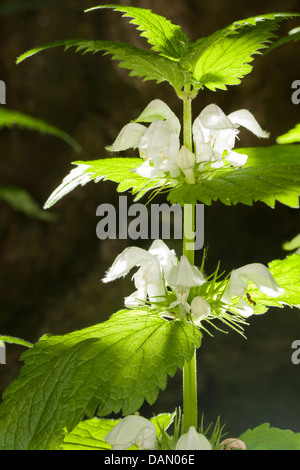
x=215, y=61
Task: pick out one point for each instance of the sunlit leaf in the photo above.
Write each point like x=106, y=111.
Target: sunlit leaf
x=109, y=367
x=164, y=36
x=293, y=36
x=224, y=57
x=144, y=64
x=271, y=174
x=90, y=433
x=13, y=340
x=290, y=137
x=118, y=170
x=293, y=244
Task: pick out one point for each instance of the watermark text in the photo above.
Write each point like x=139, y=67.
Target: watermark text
x=296, y=354
x=2, y=353
x=2, y=92
x=296, y=94
x=139, y=221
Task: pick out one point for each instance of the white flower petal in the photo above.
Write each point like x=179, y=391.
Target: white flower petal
x=262, y=278
x=223, y=139
x=129, y=137
x=146, y=170
x=132, y=430
x=244, y=308
x=192, y=440
x=236, y=159
x=160, y=144
x=204, y=153
x=137, y=298
x=157, y=136
x=159, y=110
x=125, y=261
x=212, y=117
x=185, y=275
x=199, y=309
x=166, y=257
x=256, y=273
x=198, y=134
x=244, y=118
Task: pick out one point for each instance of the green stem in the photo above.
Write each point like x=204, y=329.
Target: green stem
x=187, y=118
x=190, y=402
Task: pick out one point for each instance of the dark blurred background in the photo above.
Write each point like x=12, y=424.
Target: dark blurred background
x=50, y=275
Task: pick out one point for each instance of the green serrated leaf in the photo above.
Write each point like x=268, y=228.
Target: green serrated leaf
x=90, y=433
x=224, y=57
x=265, y=437
x=112, y=366
x=165, y=37
x=144, y=64
x=13, y=340
x=118, y=170
x=273, y=155
x=293, y=36
x=10, y=118
x=271, y=174
x=246, y=185
x=293, y=135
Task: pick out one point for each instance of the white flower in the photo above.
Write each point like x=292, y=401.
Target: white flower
x=132, y=430
x=192, y=440
x=183, y=276
x=200, y=309
x=158, y=144
x=129, y=137
x=153, y=264
x=157, y=109
x=214, y=136
x=259, y=275
x=214, y=133
x=186, y=161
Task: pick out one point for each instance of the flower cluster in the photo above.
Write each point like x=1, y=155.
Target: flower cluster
x=159, y=272
x=168, y=282
x=214, y=136
x=134, y=430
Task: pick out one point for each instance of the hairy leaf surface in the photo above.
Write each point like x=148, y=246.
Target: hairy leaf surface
x=118, y=170
x=162, y=34
x=224, y=57
x=271, y=174
x=112, y=366
x=144, y=64
x=90, y=433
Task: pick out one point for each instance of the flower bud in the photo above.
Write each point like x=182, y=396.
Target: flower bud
x=192, y=440
x=186, y=162
x=185, y=159
x=132, y=430
x=199, y=308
